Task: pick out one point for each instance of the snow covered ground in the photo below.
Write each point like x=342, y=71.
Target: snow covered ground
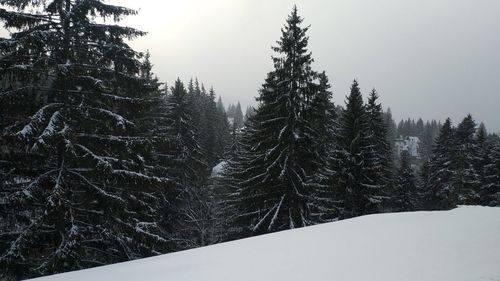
x=461, y=244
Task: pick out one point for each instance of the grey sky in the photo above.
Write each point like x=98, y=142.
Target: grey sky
x=428, y=58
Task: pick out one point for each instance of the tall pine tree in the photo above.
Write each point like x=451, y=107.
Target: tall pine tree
x=381, y=149
x=356, y=155
x=72, y=99
x=443, y=194
x=405, y=198
x=280, y=145
x=466, y=178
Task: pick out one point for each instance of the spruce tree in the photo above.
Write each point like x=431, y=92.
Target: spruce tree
x=190, y=228
x=426, y=142
x=325, y=192
x=424, y=191
x=238, y=116
x=211, y=144
x=443, y=194
x=356, y=156
x=223, y=129
x=391, y=133
x=279, y=146
x=381, y=150
x=249, y=112
x=405, y=198
x=490, y=190
x=466, y=178
x=72, y=99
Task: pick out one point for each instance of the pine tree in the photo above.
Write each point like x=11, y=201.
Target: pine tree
x=466, y=177
x=424, y=191
x=490, y=191
x=443, y=194
x=362, y=196
x=249, y=112
x=72, y=99
x=427, y=141
x=196, y=107
x=419, y=129
x=212, y=146
x=223, y=129
x=381, y=161
x=391, y=133
x=405, y=198
x=238, y=116
x=279, y=145
x=325, y=192
x=191, y=227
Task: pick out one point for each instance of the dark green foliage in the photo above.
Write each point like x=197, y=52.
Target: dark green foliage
x=443, y=193
x=405, y=197
x=357, y=158
x=72, y=100
x=210, y=121
x=189, y=171
x=391, y=133
x=490, y=190
x=381, y=161
x=280, y=145
x=467, y=179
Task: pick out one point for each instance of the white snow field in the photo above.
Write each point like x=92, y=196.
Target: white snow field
x=461, y=244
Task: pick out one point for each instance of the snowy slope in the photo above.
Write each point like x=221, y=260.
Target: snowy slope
x=461, y=244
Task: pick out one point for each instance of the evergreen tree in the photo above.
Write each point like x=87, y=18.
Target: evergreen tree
x=426, y=142
x=223, y=128
x=424, y=190
x=490, y=191
x=196, y=106
x=231, y=111
x=238, y=116
x=249, y=112
x=362, y=196
x=73, y=97
x=466, y=179
x=405, y=198
x=443, y=194
x=187, y=168
x=220, y=106
x=419, y=129
x=381, y=150
x=279, y=146
x=212, y=148
x=391, y=133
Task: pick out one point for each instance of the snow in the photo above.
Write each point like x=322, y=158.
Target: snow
x=461, y=244
x=410, y=144
x=219, y=169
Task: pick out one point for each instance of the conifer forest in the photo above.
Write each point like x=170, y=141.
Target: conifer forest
x=101, y=162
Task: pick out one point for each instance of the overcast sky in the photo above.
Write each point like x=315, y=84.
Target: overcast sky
x=426, y=58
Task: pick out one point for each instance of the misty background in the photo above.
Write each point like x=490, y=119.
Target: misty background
x=431, y=59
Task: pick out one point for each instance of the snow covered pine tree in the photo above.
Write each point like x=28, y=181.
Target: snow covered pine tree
x=80, y=192
x=279, y=147
x=443, y=194
x=467, y=179
x=490, y=191
x=188, y=168
x=357, y=159
x=382, y=167
x=405, y=197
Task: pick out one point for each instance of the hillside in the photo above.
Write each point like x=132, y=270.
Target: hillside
x=461, y=244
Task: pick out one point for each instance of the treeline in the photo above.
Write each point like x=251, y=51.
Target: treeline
x=101, y=164
x=301, y=160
